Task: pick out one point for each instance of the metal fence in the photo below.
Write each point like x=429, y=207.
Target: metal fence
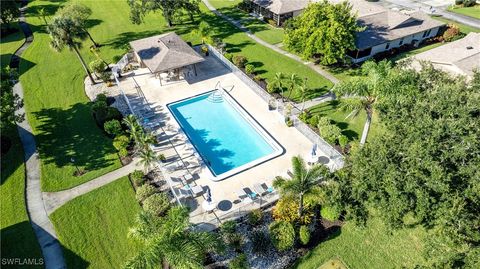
x=335, y=156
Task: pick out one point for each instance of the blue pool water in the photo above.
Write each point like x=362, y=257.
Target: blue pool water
x=219, y=132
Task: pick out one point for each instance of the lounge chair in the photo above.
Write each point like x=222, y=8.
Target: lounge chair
x=250, y=193
x=181, y=193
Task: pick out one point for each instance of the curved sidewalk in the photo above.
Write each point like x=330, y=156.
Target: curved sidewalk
x=239, y=25
x=54, y=200
x=42, y=226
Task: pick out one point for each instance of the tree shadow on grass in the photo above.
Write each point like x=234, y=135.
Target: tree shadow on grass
x=63, y=134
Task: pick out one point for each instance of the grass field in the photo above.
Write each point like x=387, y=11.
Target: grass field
x=473, y=12
x=17, y=237
x=93, y=228
x=370, y=247
x=58, y=109
x=264, y=31
x=351, y=127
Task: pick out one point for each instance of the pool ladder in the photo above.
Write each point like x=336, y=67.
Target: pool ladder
x=217, y=95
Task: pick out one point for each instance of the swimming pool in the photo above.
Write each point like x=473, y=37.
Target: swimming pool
x=226, y=137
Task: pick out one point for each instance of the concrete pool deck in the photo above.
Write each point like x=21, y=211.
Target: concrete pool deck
x=226, y=191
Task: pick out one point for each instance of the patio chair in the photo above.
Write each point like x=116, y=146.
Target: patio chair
x=181, y=193
x=259, y=189
x=252, y=195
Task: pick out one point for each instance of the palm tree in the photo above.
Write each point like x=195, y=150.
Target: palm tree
x=293, y=82
x=362, y=93
x=170, y=241
x=303, y=89
x=278, y=82
x=79, y=13
x=148, y=158
x=145, y=140
x=204, y=30
x=304, y=181
x=134, y=128
x=64, y=31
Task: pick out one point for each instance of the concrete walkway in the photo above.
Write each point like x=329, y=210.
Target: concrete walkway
x=239, y=25
x=54, y=200
x=42, y=226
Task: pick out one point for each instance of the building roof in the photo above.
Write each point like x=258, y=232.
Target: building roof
x=282, y=6
x=383, y=25
x=459, y=57
x=165, y=52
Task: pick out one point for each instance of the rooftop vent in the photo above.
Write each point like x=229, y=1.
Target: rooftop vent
x=469, y=48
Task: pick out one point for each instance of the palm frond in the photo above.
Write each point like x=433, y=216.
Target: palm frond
x=353, y=104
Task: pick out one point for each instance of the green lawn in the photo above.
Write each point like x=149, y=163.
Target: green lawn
x=265, y=31
x=370, y=247
x=463, y=28
x=351, y=127
x=473, y=12
x=9, y=44
x=93, y=228
x=18, y=238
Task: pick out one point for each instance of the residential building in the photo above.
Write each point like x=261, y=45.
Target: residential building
x=384, y=29
x=460, y=57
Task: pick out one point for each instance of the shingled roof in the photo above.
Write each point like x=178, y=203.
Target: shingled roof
x=165, y=52
x=282, y=6
x=459, y=57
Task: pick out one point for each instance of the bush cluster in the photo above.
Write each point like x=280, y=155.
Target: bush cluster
x=304, y=235
x=469, y=3
x=138, y=178
x=113, y=127
x=239, y=61
x=120, y=143
x=255, y=217
x=282, y=235
x=260, y=241
x=145, y=191
x=157, y=204
x=239, y=262
x=103, y=113
x=228, y=56
x=451, y=33
x=330, y=132
x=330, y=213
x=249, y=69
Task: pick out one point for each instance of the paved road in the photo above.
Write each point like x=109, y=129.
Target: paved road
x=438, y=7
x=42, y=226
x=239, y=25
x=54, y=200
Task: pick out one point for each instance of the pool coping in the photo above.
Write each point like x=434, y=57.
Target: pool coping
x=278, y=149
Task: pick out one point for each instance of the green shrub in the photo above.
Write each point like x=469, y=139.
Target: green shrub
x=304, y=235
x=239, y=61
x=120, y=143
x=228, y=56
x=239, y=262
x=145, y=191
x=255, y=217
x=98, y=66
x=272, y=22
x=113, y=127
x=282, y=234
x=106, y=113
x=343, y=141
x=313, y=121
x=271, y=88
x=228, y=227
x=234, y=240
x=330, y=213
x=451, y=33
x=101, y=98
x=260, y=241
x=304, y=116
x=458, y=2
x=323, y=121
x=157, y=204
x=138, y=178
x=105, y=76
x=257, y=78
x=249, y=68
x=330, y=133
x=469, y=3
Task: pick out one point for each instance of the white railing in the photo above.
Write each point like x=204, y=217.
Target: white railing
x=335, y=156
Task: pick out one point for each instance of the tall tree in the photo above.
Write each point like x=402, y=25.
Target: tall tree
x=424, y=168
x=362, y=93
x=79, y=13
x=65, y=32
x=139, y=8
x=305, y=181
x=148, y=158
x=323, y=30
x=9, y=12
x=170, y=241
x=10, y=102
